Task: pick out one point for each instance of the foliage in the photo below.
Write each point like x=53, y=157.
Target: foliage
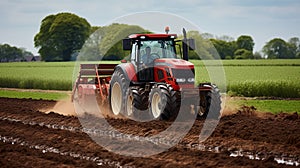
x=243, y=54
x=61, y=35
x=245, y=42
x=224, y=48
x=278, y=48
x=111, y=45
x=11, y=53
x=294, y=46
x=228, y=48
x=106, y=42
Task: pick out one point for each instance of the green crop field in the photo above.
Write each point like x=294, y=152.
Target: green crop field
x=278, y=78
x=270, y=78
x=37, y=75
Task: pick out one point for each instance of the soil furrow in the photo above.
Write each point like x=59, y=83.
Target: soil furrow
x=240, y=140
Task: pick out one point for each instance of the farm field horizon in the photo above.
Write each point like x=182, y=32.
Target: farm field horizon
x=249, y=78
x=269, y=126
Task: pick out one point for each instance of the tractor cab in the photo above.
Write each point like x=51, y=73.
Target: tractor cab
x=154, y=56
x=146, y=49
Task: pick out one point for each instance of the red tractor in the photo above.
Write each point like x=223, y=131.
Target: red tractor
x=155, y=83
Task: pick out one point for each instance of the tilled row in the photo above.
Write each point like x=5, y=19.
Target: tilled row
x=48, y=149
x=70, y=134
x=64, y=142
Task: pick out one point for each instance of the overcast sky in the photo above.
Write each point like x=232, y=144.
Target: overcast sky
x=263, y=20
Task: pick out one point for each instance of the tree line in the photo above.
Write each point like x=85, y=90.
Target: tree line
x=242, y=48
x=66, y=36
x=10, y=53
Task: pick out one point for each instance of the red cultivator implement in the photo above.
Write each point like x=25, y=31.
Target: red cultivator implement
x=93, y=80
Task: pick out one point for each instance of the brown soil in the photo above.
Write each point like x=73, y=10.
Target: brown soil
x=31, y=138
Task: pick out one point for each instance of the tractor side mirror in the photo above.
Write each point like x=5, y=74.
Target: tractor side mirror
x=126, y=44
x=191, y=44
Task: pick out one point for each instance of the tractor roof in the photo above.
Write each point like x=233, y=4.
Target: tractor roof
x=153, y=36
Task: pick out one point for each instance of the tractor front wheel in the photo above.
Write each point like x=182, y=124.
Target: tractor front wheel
x=164, y=102
x=210, y=104
x=158, y=101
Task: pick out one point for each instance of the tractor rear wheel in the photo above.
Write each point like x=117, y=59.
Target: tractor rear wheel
x=117, y=96
x=210, y=104
x=164, y=102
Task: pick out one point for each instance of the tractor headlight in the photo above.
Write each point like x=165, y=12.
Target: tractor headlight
x=191, y=80
x=180, y=80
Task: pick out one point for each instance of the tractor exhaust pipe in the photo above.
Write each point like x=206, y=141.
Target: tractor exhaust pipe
x=185, y=49
x=187, y=44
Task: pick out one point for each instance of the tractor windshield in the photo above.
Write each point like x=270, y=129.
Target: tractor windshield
x=160, y=48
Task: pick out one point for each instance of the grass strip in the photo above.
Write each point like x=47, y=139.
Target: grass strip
x=273, y=106
x=33, y=95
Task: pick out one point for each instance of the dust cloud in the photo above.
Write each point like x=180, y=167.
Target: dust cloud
x=64, y=107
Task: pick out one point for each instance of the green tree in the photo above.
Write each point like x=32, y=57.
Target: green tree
x=60, y=35
x=243, y=54
x=90, y=50
x=294, y=47
x=106, y=42
x=224, y=48
x=245, y=42
x=111, y=46
x=277, y=48
x=11, y=53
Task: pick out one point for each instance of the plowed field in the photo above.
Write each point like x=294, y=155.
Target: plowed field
x=32, y=138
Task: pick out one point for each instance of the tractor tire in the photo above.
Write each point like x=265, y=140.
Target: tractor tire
x=117, y=93
x=129, y=110
x=210, y=104
x=164, y=102
x=137, y=104
x=140, y=98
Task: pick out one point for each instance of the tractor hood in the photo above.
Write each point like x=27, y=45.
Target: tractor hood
x=174, y=63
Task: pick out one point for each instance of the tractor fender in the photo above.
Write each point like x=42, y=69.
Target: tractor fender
x=128, y=70
x=205, y=87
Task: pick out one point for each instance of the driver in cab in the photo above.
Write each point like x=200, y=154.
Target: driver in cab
x=147, y=64
x=146, y=56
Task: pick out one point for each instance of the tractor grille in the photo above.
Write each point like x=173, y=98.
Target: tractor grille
x=184, y=76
